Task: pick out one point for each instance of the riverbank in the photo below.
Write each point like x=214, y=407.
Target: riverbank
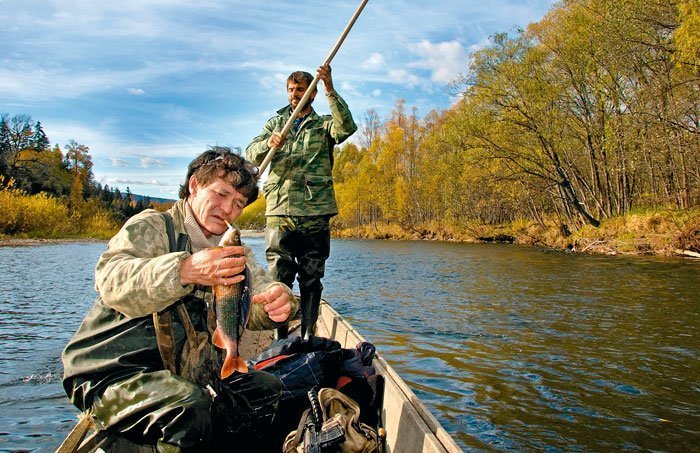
x=28, y=242
x=665, y=233
x=659, y=233
x=8, y=241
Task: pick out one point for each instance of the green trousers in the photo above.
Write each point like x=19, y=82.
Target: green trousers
x=299, y=247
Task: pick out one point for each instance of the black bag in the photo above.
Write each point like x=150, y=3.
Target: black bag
x=301, y=365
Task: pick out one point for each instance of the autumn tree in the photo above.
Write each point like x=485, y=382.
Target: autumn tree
x=79, y=164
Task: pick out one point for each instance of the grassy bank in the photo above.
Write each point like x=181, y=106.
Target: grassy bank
x=654, y=232
x=662, y=232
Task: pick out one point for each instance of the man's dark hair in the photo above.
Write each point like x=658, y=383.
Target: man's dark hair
x=301, y=76
x=221, y=162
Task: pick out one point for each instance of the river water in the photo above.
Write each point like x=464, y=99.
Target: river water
x=510, y=347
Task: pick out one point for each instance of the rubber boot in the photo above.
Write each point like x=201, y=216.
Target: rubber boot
x=310, y=301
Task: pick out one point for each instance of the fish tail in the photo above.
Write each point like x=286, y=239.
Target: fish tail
x=233, y=362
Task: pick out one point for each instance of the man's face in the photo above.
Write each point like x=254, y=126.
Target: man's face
x=214, y=204
x=295, y=91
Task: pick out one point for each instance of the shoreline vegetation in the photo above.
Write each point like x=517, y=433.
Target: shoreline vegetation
x=657, y=233
x=664, y=233
x=42, y=219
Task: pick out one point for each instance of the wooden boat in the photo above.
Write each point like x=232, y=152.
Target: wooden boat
x=409, y=426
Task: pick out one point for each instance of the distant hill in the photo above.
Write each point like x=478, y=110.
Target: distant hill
x=136, y=197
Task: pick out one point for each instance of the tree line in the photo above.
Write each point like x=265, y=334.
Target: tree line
x=592, y=112
x=29, y=165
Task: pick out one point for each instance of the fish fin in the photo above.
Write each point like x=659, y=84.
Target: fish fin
x=218, y=339
x=232, y=364
x=228, y=367
x=241, y=366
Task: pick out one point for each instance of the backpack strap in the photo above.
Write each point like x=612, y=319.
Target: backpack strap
x=300, y=430
x=170, y=229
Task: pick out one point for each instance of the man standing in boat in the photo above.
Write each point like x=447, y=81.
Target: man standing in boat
x=299, y=189
x=142, y=360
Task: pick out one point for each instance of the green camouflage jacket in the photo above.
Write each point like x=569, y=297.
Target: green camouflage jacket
x=135, y=277
x=300, y=182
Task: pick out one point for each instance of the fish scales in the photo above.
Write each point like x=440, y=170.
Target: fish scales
x=228, y=302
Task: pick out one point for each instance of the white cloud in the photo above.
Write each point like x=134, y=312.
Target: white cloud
x=150, y=162
x=445, y=60
x=376, y=93
x=117, y=162
x=403, y=77
x=139, y=182
x=135, y=91
x=375, y=61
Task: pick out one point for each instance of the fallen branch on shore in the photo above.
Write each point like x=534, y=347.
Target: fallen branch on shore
x=689, y=253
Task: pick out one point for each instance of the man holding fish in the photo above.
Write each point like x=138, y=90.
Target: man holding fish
x=142, y=360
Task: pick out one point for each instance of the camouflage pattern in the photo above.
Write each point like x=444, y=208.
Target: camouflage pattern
x=135, y=277
x=300, y=181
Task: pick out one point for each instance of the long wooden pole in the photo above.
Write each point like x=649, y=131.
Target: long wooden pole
x=311, y=88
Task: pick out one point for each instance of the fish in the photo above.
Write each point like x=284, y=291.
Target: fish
x=232, y=305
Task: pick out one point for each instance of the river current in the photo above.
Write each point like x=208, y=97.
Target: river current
x=510, y=347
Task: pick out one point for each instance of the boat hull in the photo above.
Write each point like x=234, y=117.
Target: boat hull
x=409, y=426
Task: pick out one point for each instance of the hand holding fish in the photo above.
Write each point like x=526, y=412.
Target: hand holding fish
x=276, y=302
x=214, y=266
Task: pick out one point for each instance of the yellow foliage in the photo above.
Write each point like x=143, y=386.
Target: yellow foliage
x=253, y=216
x=100, y=225
x=45, y=216
x=36, y=214
x=687, y=35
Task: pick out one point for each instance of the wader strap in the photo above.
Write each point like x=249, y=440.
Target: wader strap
x=189, y=328
x=163, y=321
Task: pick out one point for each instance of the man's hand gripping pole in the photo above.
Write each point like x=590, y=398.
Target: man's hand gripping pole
x=311, y=88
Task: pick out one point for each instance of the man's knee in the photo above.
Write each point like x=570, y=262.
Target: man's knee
x=158, y=406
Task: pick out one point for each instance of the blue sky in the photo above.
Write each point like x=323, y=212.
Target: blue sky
x=149, y=84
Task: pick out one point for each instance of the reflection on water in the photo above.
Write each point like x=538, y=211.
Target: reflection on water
x=510, y=347
x=520, y=348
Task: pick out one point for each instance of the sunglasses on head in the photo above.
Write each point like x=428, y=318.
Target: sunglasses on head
x=233, y=159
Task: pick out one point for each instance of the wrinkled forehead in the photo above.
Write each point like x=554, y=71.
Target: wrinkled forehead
x=225, y=186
